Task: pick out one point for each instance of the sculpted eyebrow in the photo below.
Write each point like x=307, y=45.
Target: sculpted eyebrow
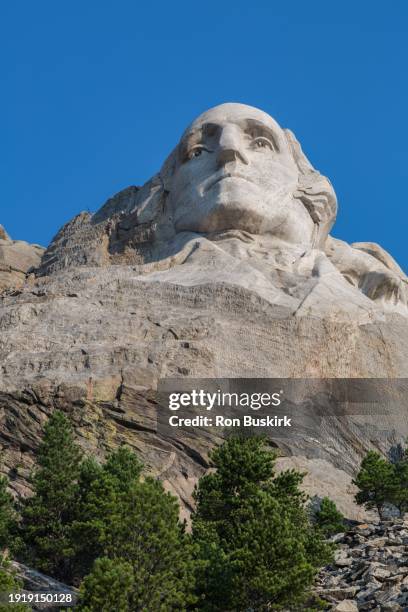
x=207, y=129
x=257, y=128
x=196, y=136
x=188, y=141
x=210, y=129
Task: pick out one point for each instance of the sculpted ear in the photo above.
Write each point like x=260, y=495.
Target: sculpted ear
x=315, y=192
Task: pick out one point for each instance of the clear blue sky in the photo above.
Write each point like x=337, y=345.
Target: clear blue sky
x=96, y=93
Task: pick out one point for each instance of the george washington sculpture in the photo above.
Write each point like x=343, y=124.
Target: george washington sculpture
x=238, y=202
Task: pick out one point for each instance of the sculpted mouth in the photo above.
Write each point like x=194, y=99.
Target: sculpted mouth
x=226, y=175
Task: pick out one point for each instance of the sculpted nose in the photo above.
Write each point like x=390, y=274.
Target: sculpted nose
x=230, y=147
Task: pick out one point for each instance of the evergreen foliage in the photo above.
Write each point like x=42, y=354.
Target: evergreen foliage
x=141, y=532
x=400, y=490
x=46, y=517
x=7, y=514
x=252, y=546
x=108, y=587
x=8, y=580
x=101, y=489
x=329, y=520
x=376, y=482
x=9, y=583
x=258, y=550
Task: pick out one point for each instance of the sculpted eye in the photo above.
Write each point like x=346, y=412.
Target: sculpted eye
x=196, y=152
x=262, y=143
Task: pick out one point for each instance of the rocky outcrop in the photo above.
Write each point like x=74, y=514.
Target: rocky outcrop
x=370, y=571
x=16, y=259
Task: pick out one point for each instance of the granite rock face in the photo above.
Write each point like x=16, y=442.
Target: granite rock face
x=16, y=259
x=220, y=266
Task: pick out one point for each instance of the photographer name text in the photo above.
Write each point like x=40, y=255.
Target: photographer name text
x=222, y=421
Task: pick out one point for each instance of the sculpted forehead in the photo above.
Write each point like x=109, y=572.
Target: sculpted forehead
x=242, y=115
x=233, y=113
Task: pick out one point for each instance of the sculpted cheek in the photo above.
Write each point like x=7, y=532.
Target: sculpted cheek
x=283, y=175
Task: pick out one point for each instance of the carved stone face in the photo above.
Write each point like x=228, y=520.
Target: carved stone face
x=235, y=170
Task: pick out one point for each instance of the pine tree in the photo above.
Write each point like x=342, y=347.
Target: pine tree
x=99, y=490
x=8, y=580
x=328, y=518
x=108, y=587
x=399, y=497
x=123, y=465
x=376, y=482
x=258, y=549
x=141, y=531
x=48, y=514
x=400, y=492
x=285, y=486
x=7, y=514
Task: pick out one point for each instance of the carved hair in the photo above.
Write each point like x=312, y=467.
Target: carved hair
x=315, y=191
